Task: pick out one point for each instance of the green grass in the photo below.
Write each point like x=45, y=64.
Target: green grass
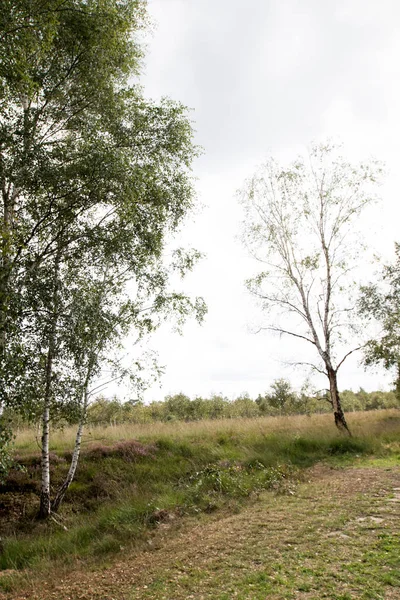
x=123, y=490
x=321, y=543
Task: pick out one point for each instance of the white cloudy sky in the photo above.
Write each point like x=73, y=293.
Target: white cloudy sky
x=268, y=76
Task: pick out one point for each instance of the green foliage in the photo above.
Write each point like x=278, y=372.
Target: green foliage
x=238, y=480
x=6, y=459
x=281, y=400
x=94, y=180
x=380, y=302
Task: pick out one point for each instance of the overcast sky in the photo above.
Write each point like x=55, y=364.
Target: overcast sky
x=262, y=77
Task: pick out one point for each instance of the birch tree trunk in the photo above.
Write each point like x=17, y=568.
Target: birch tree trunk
x=340, y=420
x=9, y=198
x=45, y=505
x=59, y=497
x=45, y=509
x=78, y=440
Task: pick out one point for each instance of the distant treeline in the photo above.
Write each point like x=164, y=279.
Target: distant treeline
x=282, y=400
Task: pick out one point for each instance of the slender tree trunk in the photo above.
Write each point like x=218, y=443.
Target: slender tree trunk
x=45, y=505
x=45, y=509
x=6, y=232
x=338, y=413
x=59, y=497
x=75, y=455
x=78, y=440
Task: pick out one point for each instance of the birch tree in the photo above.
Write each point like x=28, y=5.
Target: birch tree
x=83, y=154
x=100, y=309
x=90, y=170
x=299, y=226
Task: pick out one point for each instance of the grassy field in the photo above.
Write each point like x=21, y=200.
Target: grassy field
x=135, y=483
x=362, y=424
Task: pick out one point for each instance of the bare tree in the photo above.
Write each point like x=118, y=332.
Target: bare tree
x=299, y=224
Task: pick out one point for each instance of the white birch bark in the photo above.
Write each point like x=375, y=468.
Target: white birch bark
x=44, y=510
x=75, y=455
x=45, y=506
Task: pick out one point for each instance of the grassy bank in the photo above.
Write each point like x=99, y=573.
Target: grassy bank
x=125, y=487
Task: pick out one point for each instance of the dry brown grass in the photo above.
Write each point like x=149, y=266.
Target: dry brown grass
x=361, y=423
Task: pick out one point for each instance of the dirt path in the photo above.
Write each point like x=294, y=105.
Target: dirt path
x=337, y=537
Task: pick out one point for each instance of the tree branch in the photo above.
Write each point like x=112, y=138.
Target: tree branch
x=308, y=364
x=348, y=354
x=281, y=331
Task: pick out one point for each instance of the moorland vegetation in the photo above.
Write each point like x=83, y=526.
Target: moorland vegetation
x=95, y=184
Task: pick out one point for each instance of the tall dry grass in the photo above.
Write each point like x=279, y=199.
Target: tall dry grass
x=362, y=424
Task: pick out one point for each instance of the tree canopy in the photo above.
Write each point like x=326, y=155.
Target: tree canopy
x=380, y=302
x=94, y=180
